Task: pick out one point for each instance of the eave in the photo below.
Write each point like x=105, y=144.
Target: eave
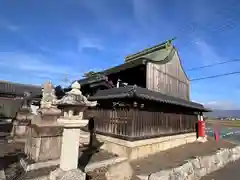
x=145, y=94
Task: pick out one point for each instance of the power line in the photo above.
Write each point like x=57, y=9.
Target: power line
x=215, y=76
x=212, y=65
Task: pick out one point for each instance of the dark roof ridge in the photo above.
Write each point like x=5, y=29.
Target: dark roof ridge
x=149, y=50
x=132, y=89
x=15, y=83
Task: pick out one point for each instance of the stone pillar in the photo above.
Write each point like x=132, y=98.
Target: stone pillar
x=70, y=147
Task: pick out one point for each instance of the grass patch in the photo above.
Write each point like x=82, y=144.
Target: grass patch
x=229, y=123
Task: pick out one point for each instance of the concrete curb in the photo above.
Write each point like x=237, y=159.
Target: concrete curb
x=196, y=168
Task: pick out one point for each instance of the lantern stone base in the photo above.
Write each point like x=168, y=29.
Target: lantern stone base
x=44, y=142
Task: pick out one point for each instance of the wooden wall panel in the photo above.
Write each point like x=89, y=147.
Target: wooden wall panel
x=168, y=78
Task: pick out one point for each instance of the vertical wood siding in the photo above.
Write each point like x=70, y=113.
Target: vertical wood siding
x=168, y=78
x=141, y=124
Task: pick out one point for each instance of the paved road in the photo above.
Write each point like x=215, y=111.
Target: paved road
x=231, y=172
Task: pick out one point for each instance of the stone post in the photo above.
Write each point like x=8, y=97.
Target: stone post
x=73, y=105
x=70, y=142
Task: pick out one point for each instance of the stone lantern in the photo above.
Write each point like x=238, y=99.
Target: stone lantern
x=44, y=134
x=23, y=118
x=73, y=104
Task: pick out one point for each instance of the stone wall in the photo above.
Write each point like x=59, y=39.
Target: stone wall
x=142, y=148
x=196, y=168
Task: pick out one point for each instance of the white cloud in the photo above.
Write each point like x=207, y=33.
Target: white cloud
x=88, y=42
x=7, y=25
x=36, y=65
x=207, y=52
x=28, y=62
x=12, y=28
x=223, y=105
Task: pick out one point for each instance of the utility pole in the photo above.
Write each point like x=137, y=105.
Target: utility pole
x=66, y=80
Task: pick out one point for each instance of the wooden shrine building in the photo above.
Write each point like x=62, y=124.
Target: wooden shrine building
x=146, y=96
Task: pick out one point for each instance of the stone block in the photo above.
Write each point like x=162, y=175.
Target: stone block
x=119, y=171
x=163, y=175
x=200, y=172
x=205, y=161
x=75, y=174
x=195, y=163
x=237, y=149
x=50, y=148
x=178, y=176
x=234, y=157
x=187, y=168
x=59, y=174
x=43, y=142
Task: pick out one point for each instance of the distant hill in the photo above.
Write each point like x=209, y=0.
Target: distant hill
x=223, y=113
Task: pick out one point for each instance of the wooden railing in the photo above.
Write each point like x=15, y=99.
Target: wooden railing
x=136, y=124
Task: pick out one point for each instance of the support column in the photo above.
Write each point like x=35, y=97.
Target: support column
x=70, y=148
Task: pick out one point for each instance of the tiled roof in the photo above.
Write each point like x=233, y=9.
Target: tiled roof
x=160, y=50
x=143, y=93
x=156, y=54
x=18, y=89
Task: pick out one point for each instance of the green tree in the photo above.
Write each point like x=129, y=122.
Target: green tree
x=89, y=74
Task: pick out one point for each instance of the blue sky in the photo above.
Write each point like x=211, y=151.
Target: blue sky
x=41, y=40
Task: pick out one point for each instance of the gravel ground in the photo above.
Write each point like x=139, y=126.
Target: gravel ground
x=177, y=156
x=153, y=163
x=90, y=156
x=94, y=156
x=9, y=161
x=99, y=174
